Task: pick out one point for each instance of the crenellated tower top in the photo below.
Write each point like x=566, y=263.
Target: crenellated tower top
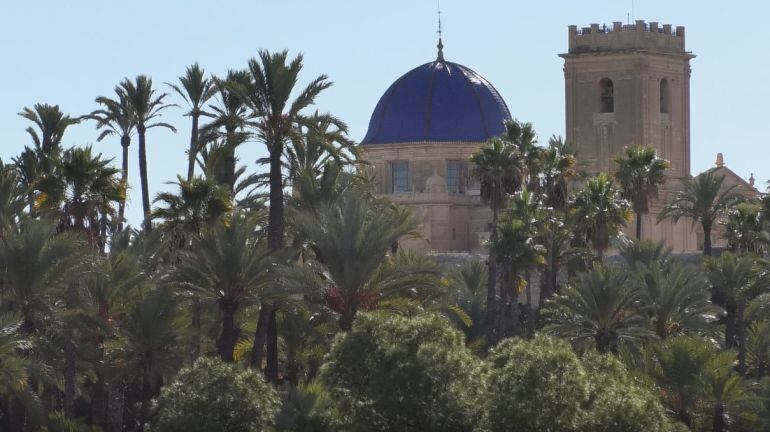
x=640, y=35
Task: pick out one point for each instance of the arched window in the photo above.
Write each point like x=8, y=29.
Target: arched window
x=607, y=95
x=665, y=96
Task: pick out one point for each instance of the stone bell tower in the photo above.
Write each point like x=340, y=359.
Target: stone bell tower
x=630, y=85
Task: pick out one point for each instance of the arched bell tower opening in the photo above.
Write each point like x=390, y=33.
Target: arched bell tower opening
x=607, y=95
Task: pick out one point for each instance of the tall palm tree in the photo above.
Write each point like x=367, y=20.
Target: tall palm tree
x=29, y=168
x=499, y=167
x=117, y=118
x=517, y=250
x=640, y=172
x=599, y=211
x=558, y=168
x=51, y=124
x=268, y=95
x=734, y=281
x=352, y=237
x=704, y=200
x=196, y=90
x=230, y=117
x=523, y=136
x=229, y=265
x=146, y=105
x=597, y=311
x=675, y=299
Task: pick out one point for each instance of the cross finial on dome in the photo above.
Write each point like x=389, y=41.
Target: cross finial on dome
x=440, y=45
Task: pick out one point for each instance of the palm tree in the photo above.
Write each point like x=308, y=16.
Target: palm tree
x=12, y=199
x=51, y=124
x=523, y=136
x=704, y=200
x=499, y=167
x=556, y=171
x=146, y=106
x=734, y=281
x=745, y=230
x=351, y=237
x=469, y=283
x=723, y=388
x=674, y=298
x=599, y=211
x=117, y=118
x=29, y=169
x=231, y=115
x=517, y=251
x=644, y=253
x=677, y=368
x=147, y=345
x=37, y=264
x=196, y=90
x=278, y=117
x=758, y=348
x=597, y=311
x=229, y=265
x=640, y=171
x=199, y=205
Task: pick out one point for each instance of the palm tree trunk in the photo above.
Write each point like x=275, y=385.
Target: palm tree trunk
x=260, y=335
x=70, y=355
x=143, y=176
x=230, y=163
x=193, y=151
x=116, y=399
x=492, y=306
x=719, y=418
x=229, y=334
x=125, y=142
x=275, y=233
x=195, y=342
x=706, y=238
x=638, y=226
x=741, y=330
x=271, y=371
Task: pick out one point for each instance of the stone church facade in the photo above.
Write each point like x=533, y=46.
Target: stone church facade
x=624, y=85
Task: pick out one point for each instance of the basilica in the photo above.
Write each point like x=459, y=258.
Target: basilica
x=625, y=84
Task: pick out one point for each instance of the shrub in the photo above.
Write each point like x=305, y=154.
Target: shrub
x=406, y=374
x=541, y=385
x=213, y=396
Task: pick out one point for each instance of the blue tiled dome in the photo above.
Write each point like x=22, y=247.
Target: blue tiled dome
x=438, y=101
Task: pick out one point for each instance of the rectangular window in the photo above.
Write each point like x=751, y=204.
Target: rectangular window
x=400, y=176
x=453, y=170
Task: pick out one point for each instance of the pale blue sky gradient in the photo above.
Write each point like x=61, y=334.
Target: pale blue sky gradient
x=68, y=53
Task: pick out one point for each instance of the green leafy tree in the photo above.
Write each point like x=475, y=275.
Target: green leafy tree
x=407, y=374
x=196, y=90
x=703, y=200
x=640, y=172
x=599, y=211
x=213, y=396
x=598, y=310
x=146, y=105
x=541, y=385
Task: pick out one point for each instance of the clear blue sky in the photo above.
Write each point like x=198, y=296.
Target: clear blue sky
x=67, y=53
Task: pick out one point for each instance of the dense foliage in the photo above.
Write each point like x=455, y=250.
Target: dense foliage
x=292, y=267
x=212, y=396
